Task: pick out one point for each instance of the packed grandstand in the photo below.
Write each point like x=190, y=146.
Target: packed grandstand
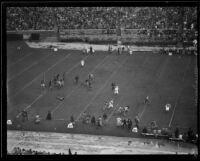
x=41, y=18
x=157, y=22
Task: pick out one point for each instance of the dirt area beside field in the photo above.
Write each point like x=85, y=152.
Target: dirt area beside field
x=81, y=46
x=91, y=144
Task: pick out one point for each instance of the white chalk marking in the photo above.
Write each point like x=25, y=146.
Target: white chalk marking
x=183, y=79
x=77, y=87
x=28, y=84
x=100, y=90
x=27, y=68
x=19, y=60
x=40, y=96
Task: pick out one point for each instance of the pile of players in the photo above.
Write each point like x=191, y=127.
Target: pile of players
x=56, y=81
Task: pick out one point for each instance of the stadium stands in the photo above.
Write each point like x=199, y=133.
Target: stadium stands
x=19, y=151
x=153, y=22
x=23, y=18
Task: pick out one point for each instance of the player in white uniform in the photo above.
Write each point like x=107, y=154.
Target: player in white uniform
x=110, y=105
x=146, y=100
x=82, y=63
x=167, y=107
x=116, y=90
x=195, y=43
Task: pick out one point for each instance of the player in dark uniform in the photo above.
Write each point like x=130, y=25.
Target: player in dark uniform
x=24, y=115
x=113, y=86
x=91, y=50
x=49, y=117
x=50, y=84
x=76, y=79
x=146, y=100
x=63, y=76
x=57, y=77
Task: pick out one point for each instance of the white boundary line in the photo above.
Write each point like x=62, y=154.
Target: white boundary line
x=162, y=69
x=183, y=79
x=159, y=74
x=42, y=94
x=28, y=84
x=36, y=62
x=141, y=114
x=100, y=89
x=12, y=64
x=77, y=87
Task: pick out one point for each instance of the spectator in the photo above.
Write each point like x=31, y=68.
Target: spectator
x=70, y=153
x=24, y=115
x=137, y=120
x=72, y=119
x=37, y=119
x=70, y=125
x=49, y=116
x=37, y=18
x=19, y=151
x=99, y=122
x=191, y=134
x=93, y=121
x=104, y=116
x=177, y=133
x=144, y=130
x=123, y=123
x=129, y=124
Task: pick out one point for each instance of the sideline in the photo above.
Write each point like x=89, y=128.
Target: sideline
x=90, y=144
x=81, y=46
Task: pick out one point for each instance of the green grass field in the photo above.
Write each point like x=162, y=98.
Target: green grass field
x=166, y=79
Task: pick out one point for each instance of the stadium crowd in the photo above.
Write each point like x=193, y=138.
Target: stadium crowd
x=37, y=18
x=29, y=18
x=22, y=151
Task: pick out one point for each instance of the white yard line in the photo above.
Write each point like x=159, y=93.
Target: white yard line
x=113, y=110
x=140, y=115
x=27, y=107
x=77, y=87
x=60, y=103
x=42, y=94
x=161, y=71
x=183, y=79
x=122, y=96
x=28, y=84
x=100, y=89
x=19, y=60
x=36, y=62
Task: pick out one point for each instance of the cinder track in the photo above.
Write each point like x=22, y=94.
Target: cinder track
x=91, y=144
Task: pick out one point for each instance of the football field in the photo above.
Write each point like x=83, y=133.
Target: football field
x=165, y=79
